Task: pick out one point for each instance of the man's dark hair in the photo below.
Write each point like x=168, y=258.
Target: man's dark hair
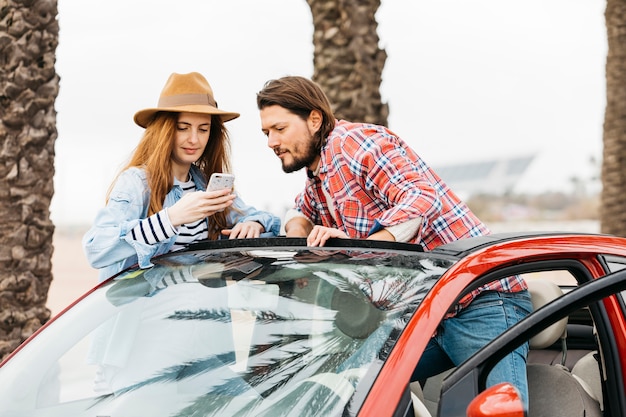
x=300, y=96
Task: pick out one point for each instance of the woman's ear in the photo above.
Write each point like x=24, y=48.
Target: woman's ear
x=314, y=121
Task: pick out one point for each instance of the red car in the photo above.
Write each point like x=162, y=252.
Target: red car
x=270, y=327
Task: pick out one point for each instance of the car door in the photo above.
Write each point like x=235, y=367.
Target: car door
x=605, y=304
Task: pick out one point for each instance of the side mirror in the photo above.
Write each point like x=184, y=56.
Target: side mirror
x=502, y=400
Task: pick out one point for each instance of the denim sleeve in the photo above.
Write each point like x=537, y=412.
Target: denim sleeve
x=246, y=213
x=108, y=241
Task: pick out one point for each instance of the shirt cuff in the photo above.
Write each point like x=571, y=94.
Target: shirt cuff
x=153, y=229
x=405, y=232
x=293, y=213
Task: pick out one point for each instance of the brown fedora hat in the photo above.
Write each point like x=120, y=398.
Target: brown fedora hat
x=185, y=93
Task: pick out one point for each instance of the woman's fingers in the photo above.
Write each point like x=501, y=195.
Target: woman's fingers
x=197, y=205
x=244, y=230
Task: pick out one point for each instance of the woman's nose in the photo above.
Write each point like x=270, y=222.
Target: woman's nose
x=194, y=135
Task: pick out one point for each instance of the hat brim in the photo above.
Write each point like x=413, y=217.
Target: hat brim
x=145, y=116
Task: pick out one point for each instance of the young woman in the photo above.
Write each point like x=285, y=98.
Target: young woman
x=159, y=202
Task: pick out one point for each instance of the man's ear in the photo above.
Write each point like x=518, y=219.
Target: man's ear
x=314, y=121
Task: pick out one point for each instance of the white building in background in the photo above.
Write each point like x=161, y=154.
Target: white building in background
x=497, y=176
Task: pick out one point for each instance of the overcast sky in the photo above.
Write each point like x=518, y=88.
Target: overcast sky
x=465, y=81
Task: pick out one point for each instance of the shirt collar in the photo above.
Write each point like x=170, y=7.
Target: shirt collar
x=315, y=172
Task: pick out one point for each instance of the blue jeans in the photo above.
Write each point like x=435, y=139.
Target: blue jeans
x=459, y=337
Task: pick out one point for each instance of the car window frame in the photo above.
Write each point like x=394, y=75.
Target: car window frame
x=469, y=378
x=573, y=266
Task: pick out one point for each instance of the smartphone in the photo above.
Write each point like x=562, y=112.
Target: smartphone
x=220, y=181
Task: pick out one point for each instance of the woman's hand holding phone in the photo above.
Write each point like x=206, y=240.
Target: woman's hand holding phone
x=200, y=204
x=220, y=181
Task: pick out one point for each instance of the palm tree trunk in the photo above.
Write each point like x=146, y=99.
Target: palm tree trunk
x=28, y=87
x=613, y=198
x=348, y=63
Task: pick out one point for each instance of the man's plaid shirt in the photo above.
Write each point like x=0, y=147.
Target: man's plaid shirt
x=376, y=180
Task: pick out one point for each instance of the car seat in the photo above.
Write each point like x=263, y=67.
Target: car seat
x=552, y=389
x=587, y=372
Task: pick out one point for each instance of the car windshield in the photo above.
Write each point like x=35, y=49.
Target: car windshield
x=258, y=332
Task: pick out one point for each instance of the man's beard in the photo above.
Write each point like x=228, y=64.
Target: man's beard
x=307, y=157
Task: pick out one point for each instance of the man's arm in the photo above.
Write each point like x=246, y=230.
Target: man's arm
x=382, y=235
x=402, y=232
x=298, y=227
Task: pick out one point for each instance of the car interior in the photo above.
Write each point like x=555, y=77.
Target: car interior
x=566, y=373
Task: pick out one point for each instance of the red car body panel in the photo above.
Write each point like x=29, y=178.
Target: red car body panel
x=618, y=324
x=391, y=382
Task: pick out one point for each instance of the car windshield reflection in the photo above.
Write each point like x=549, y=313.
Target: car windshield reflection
x=280, y=333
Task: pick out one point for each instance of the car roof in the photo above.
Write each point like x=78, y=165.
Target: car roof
x=457, y=249
x=293, y=242
x=464, y=247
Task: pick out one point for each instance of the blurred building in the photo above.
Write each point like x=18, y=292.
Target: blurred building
x=497, y=176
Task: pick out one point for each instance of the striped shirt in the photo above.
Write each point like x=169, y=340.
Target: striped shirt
x=157, y=228
x=377, y=181
x=180, y=275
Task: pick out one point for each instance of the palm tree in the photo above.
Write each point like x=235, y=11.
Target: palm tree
x=29, y=85
x=348, y=63
x=613, y=198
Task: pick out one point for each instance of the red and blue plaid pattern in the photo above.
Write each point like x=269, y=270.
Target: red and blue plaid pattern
x=376, y=180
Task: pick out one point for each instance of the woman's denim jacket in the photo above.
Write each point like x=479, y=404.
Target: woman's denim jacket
x=109, y=245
